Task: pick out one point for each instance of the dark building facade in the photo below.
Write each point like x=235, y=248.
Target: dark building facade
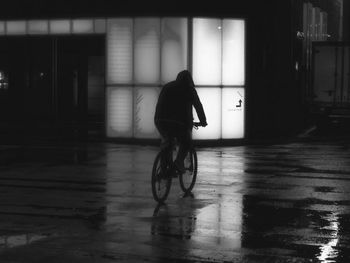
x=69, y=64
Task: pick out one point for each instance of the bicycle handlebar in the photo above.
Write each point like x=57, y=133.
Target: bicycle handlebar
x=196, y=125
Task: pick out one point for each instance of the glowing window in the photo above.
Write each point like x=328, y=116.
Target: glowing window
x=211, y=101
x=147, y=50
x=233, y=107
x=119, y=51
x=174, y=47
x=83, y=26
x=100, y=25
x=119, y=112
x=2, y=28
x=207, y=51
x=233, y=56
x=145, y=105
x=38, y=27
x=60, y=26
x=16, y=27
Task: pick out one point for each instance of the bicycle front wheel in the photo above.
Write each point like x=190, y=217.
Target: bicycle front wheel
x=161, y=181
x=188, y=178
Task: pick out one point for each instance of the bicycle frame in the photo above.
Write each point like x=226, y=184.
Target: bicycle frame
x=161, y=179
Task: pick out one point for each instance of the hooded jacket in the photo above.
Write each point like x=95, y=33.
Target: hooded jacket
x=176, y=100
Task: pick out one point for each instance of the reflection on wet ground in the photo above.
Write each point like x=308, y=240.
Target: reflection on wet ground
x=93, y=203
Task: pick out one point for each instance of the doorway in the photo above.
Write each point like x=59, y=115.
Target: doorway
x=53, y=86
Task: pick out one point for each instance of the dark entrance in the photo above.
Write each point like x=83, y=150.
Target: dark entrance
x=52, y=86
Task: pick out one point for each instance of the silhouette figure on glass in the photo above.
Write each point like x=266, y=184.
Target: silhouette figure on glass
x=174, y=118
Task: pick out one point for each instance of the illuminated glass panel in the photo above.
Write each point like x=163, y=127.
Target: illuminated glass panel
x=233, y=107
x=83, y=26
x=119, y=51
x=16, y=27
x=145, y=105
x=147, y=50
x=38, y=27
x=174, y=47
x=211, y=101
x=2, y=28
x=207, y=51
x=60, y=26
x=233, y=64
x=119, y=112
x=100, y=25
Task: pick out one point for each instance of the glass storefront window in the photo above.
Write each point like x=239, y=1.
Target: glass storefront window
x=145, y=100
x=60, y=26
x=120, y=51
x=144, y=53
x=233, y=49
x=173, y=47
x=83, y=26
x=211, y=100
x=207, y=51
x=119, y=108
x=147, y=50
x=38, y=27
x=233, y=108
x=16, y=27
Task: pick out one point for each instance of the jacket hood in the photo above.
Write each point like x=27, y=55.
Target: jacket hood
x=184, y=78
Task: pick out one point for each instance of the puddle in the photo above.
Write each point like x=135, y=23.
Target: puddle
x=19, y=240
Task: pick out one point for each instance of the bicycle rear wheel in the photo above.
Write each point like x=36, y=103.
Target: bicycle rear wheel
x=161, y=181
x=188, y=179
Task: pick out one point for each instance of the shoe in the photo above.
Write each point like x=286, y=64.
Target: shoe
x=179, y=167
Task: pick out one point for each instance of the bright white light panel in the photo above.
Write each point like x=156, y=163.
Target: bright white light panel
x=119, y=112
x=16, y=27
x=56, y=26
x=233, y=108
x=119, y=51
x=83, y=26
x=207, y=51
x=160, y=52
x=145, y=99
x=211, y=101
x=37, y=27
x=147, y=50
x=218, y=51
x=60, y=26
x=174, y=47
x=233, y=48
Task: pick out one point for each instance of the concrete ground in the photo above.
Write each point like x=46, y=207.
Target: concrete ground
x=286, y=202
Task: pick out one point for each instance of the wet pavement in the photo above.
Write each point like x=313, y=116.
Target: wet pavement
x=287, y=202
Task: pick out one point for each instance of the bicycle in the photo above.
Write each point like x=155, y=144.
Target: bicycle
x=162, y=174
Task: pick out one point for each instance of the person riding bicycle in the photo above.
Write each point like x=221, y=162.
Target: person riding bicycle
x=173, y=116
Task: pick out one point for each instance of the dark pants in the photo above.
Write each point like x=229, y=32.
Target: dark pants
x=183, y=134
